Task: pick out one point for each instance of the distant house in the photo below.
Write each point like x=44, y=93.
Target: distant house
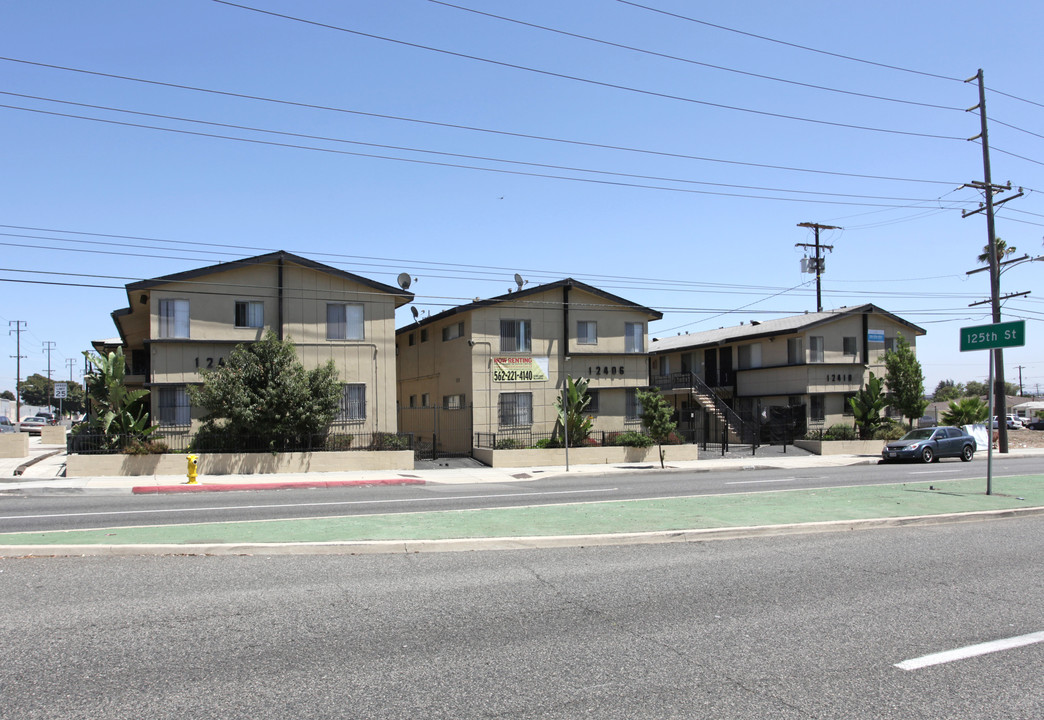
x=815, y=361
x=179, y=324
x=490, y=371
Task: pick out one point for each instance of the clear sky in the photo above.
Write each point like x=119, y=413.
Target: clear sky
x=663, y=150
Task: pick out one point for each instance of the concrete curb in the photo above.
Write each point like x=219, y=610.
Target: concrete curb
x=21, y=468
x=379, y=547
x=286, y=485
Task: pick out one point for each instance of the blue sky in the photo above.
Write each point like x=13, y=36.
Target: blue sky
x=597, y=141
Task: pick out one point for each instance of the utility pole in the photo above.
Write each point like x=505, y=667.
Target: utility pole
x=70, y=363
x=19, y=325
x=48, y=346
x=819, y=262
x=1020, y=368
x=988, y=188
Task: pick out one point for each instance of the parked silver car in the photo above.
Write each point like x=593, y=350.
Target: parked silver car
x=33, y=425
x=930, y=444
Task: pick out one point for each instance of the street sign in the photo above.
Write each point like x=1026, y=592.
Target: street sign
x=61, y=391
x=998, y=335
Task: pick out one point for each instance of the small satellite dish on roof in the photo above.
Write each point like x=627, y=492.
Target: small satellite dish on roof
x=519, y=281
x=413, y=310
x=404, y=281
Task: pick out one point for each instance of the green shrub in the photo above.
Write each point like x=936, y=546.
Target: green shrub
x=507, y=444
x=550, y=443
x=840, y=432
x=145, y=447
x=339, y=442
x=633, y=439
x=390, y=441
x=890, y=430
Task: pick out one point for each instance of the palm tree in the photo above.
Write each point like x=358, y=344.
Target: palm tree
x=1002, y=251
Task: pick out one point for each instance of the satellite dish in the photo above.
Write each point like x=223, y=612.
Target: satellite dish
x=519, y=281
x=413, y=310
x=404, y=281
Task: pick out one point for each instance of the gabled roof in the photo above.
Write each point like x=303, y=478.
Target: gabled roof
x=514, y=296
x=771, y=328
x=263, y=259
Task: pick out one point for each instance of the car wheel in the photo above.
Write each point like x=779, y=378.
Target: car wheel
x=927, y=455
x=967, y=453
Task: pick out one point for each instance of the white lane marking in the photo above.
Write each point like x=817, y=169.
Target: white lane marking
x=761, y=482
x=970, y=651
x=313, y=504
x=933, y=472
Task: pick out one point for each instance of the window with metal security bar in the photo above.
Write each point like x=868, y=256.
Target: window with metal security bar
x=516, y=336
x=250, y=314
x=344, y=321
x=353, y=403
x=592, y=407
x=848, y=397
x=516, y=409
x=586, y=332
x=453, y=402
x=634, y=337
x=173, y=318
x=174, y=408
x=633, y=409
x=816, y=406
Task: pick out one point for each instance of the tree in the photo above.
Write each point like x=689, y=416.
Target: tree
x=35, y=390
x=867, y=406
x=905, y=381
x=573, y=416
x=117, y=413
x=656, y=417
x=1002, y=251
x=947, y=390
x=976, y=388
x=263, y=397
x=966, y=411
x=7, y=395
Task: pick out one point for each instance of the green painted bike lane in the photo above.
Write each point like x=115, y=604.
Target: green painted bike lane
x=782, y=507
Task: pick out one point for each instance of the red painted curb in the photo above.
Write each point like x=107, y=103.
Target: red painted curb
x=225, y=487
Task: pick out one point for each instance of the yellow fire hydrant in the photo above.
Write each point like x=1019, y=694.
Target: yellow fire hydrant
x=193, y=463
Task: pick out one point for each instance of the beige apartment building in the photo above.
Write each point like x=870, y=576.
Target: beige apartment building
x=178, y=324
x=490, y=370
x=816, y=360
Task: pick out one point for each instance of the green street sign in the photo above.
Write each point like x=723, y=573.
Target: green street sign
x=988, y=337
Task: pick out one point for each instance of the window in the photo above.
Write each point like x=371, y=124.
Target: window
x=344, y=322
x=516, y=336
x=849, y=346
x=173, y=318
x=592, y=407
x=174, y=406
x=453, y=402
x=848, y=405
x=634, y=337
x=586, y=332
x=424, y=334
x=516, y=408
x=749, y=356
x=353, y=402
x=665, y=365
x=426, y=400
x=633, y=410
x=452, y=332
x=250, y=314
x=815, y=349
x=795, y=352
x=413, y=401
x=816, y=410
x=889, y=344
x=411, y=339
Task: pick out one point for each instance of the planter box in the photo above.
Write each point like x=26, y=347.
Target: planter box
x=583, y=456
x=14, y=445
x=53, y=435
x=237, y=463
x=841, y=447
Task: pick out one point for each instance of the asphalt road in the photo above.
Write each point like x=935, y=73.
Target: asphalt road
x=809, y=626
x=36, y=511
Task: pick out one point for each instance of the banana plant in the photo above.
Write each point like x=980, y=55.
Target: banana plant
x=118, y=413
x=571, y=415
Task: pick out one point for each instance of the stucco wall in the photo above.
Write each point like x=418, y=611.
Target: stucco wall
x=237, y=463
x=584, y=456
x=14, y=445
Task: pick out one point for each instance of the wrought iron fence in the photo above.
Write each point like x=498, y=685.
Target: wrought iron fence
x=525, y=439
x=96, y=444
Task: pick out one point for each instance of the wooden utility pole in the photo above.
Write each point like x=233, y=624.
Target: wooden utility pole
x=19, y=327
x=819, y=262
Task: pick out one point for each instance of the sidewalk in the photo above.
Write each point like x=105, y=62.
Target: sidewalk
x=685, y=519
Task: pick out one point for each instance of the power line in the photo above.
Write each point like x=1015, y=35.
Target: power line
x=470, y=128
x=696, y=62
x=783, y=42
x=599, y=83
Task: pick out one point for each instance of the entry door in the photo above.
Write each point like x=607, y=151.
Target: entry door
x=710, y=367
x=725, y=360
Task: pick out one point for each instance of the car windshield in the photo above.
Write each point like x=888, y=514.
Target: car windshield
x=919, y=434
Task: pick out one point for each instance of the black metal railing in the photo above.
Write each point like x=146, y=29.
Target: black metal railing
x=95, y=444
x=525, y=439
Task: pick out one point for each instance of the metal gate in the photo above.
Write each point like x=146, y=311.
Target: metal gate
x=438, y=431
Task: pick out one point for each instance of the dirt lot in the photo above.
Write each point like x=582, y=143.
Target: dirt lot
x=1025, y=439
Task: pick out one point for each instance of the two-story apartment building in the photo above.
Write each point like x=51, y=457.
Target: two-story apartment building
x=494, y=367
x=178, y=324
x=816, y=360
